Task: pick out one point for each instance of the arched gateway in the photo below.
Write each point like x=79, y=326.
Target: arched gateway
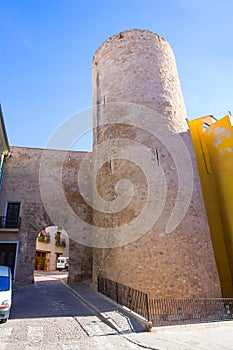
x=24, y=213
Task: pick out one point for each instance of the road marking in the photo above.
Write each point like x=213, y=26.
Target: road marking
x=35, y=334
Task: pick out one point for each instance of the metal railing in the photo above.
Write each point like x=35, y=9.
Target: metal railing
x=6, y=222
x=180, y=311
x=167, y=311
x=135, y=300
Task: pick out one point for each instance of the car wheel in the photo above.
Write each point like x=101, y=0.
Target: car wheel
x=3, y=320
x=59, y=269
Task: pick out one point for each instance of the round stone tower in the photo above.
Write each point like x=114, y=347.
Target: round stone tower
x=152, y=227
x=138, y=66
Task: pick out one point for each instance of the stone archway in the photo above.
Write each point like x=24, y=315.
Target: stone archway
x=33, y=220
x=21, y=184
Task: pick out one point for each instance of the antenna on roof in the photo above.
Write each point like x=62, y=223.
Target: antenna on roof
x=229, y=112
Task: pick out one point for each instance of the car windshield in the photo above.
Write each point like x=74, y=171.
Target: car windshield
x=4, y=283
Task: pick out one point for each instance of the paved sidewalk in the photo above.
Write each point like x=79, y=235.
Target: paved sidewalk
x=210, y=336
x=108, y=311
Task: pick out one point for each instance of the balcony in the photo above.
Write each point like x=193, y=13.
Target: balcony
x=9, y=224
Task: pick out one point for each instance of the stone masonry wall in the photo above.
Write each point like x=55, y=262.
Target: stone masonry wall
x=21, y=184
x=135, y=78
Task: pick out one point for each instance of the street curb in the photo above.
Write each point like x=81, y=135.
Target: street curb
x=92, y=307
x=191, y=326
x=143, y=321
x=108, y=320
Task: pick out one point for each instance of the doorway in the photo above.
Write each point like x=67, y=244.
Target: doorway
x=8, y=254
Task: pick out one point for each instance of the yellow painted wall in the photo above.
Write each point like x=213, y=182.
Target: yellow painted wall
x=213, y=145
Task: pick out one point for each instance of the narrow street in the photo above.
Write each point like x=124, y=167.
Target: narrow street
x=47, y=315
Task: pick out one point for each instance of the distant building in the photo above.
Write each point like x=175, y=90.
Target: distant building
x=52, y=242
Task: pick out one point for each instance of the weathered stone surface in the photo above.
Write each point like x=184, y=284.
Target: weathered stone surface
x=21, y=184
x=134, y=76
x=140, y=114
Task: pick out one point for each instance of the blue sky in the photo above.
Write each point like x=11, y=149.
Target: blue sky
x=47, y=48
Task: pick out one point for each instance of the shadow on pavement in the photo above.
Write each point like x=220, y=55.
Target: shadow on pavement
x=47, y=298
x=52, y=297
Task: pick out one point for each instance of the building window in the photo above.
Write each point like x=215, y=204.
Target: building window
x=12, y=214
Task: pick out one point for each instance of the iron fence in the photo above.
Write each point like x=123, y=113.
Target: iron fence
x=135, y=300
x=167, y=311
x=181, y=311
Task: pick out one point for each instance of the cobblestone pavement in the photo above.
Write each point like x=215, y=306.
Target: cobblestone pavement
x=61, y=333
x=47, y=315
